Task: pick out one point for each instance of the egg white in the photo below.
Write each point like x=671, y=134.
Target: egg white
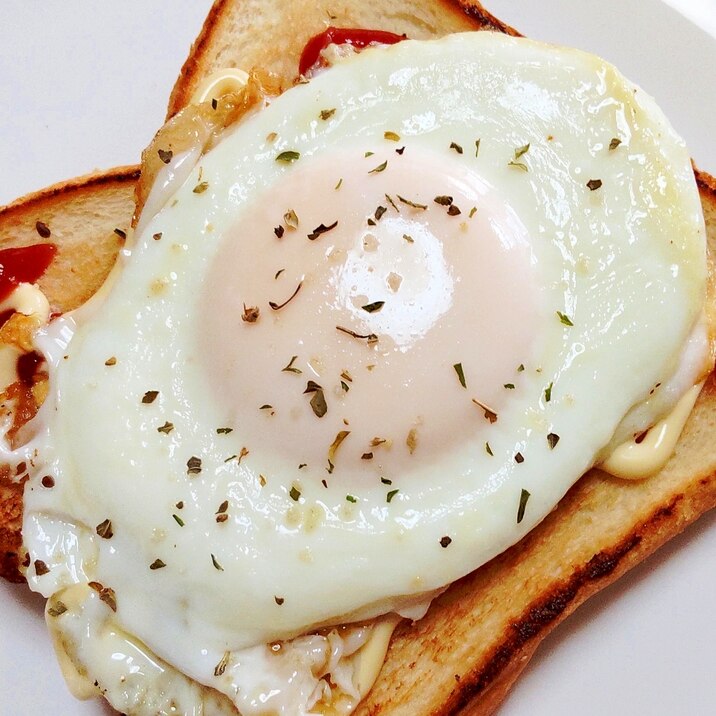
x=625, y=263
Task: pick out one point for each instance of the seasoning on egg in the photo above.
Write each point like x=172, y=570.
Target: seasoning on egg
x=157, y=564
x=413, y=204
x=564, y=319
x=524, y=496
x=321, y=229
x=193, y=465
x=389, y=497
x=288, y=156
x=290, y=368
x=351, y=498
x=548, y=392
x=490, y=414
x=370, y=337
x=318, y=400
x=594, y=184
x=460, y=374
x=178, y=520
x=104, y=529
x=379, y=168
x=445, y=541
x=166, y=428
x=552, y=440
x=327, y=113
x=216, y=564
x=278, y=306
x=150, y=396
x=250, y=314
x=391, y=136
x=220, y=668
x=373, y=307
x=456, y=147
x=201, y=187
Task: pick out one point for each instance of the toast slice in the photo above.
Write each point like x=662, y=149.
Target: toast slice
x=473, y=626
x=86, y=218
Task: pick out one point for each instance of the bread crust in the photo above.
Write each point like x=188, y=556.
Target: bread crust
x=478, y=637
x=235, y=19
x=82, y=215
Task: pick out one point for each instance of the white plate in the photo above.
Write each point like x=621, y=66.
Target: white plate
x=85, y=85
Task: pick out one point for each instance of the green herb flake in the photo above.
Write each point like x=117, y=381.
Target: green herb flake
x=488, y=449
x=552, y=440
x=111, y=361
x=373, y=307
x=509, y=386
x=391, y=136
x=220, y=668
x=326, y=114
x=594, y=184
x=57, y=609
x=518, y=165
x=456, y=147
x=290, y=368
x=521, y=151
x=166, y=428
x=412, y=204
x=338, y=185
x=548, y=392
x=345, y=386
x=333, y=449
x=520, y=367
x=524, y=496
x=389, y=497
x=368, y=154
x=386, y=481
x=477, y=147
x=370, y=337
x=294, y=493
x=178, y=520
x=443, y=200
x=564, y=319
x=379, y=168
x=351, y=498
x=157, y=564
x=278, y=306
x=460, y=374
x=318, y=400
x=216, y=564
x=224, y=431
x=614, y=143
x=389, y=199
x=321, y=229
x=201, y=187
x=104, y=529
x=288, y=156
x=472, y=213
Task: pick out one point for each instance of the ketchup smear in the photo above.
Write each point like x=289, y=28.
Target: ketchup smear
x=23, y=265
x=311, y=55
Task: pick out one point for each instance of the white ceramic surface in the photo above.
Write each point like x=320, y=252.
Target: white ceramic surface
x=84, y=85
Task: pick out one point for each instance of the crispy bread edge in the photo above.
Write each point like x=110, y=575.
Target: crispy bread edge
x=80, y=212
x=456, y=15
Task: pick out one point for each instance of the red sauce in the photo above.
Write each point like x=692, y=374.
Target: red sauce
x=27, y=367
x=23, y=265
x=311, y=55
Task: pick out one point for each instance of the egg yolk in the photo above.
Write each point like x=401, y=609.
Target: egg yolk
x=379, y=307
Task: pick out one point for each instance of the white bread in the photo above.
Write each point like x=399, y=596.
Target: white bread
x=460, y=623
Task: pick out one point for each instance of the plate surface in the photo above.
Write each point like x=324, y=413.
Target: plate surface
x=85, y=85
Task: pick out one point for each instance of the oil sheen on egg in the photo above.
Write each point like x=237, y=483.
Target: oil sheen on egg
x=370, y=343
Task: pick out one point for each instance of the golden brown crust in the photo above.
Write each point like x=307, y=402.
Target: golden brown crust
x=92, y=210
x=481, y=633
x=235, y=32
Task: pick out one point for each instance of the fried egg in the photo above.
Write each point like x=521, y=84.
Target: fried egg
x=366, y=346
